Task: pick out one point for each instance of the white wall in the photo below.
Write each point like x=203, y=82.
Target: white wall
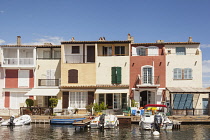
x=103, y=69
x=190, y=60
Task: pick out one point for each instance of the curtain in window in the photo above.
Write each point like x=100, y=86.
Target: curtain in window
x=78, y=99
x=180, y=51
x=177, y=73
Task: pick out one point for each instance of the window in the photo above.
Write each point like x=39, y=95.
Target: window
x=147, y=75
x=180, y=51
x=153, y=51
x=187, y=73
x=57, y=54
x=116, y=75
x=78, y=99
x=120, y=50
x=75, y=49
x=46, y=54
x=107, y=51
x=23, y=78
x=73, y=76
x=177, y=73
x=101, y=98
x=141, y=51
x=183, y=101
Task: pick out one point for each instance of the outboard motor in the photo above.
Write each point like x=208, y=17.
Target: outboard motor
x=11, y=120
x=102, y=119
x=157, y=122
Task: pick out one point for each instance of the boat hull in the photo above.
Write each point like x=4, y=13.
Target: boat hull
x=65, y=121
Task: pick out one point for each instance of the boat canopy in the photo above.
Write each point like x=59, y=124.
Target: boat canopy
x=154, y=105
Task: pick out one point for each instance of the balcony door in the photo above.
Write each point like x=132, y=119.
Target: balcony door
x=90, y=53
x=50, y=77
x=147, y=75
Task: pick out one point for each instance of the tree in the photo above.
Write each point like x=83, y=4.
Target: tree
x=53, y=102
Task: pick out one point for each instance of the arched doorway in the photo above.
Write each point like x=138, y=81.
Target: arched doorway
x=145, y=97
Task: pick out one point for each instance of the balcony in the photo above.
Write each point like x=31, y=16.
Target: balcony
x=79, y=59
x=148, y=81
x=48, y=82
x=18, y=62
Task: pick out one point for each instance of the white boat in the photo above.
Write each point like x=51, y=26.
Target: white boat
x=95, y=123
x=148, y=118
x=111, y=121
x=105, y=121
x=1, y=119
x=22, y=120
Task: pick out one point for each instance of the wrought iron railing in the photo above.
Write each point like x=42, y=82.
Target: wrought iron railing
x=148, y=80
x=75, y=58
x=48, y=82
x=36, y=110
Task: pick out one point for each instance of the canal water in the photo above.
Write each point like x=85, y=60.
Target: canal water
x=131, y=132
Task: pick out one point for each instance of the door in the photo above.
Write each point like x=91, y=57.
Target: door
x=205, y=106
x=147, y=75
x=109, y=101
x=90, y=53
x=117, y=101
x=143, y=96
x=65, y=99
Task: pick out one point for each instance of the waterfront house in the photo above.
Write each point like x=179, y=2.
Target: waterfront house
x=18, y=67
x=148, y=73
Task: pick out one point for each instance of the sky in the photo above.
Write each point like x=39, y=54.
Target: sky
x=40, y=21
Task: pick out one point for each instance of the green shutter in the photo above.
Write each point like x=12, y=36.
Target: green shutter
x=118, y=72
x=114, y=75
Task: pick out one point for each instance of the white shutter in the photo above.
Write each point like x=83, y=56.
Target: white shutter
x=23, y=78
x=16, y=99
x=153, y=51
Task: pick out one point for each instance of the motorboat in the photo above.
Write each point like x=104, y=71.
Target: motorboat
x=95, y=122
x=1, y=119
x=111, y=121
x=154, y=117
x=104, y=121
x=22, y=120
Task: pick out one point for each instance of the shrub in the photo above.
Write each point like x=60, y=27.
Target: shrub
x=29, y=102
x=53, y=102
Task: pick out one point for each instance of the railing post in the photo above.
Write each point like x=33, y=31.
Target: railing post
x=186, y=111
x=193, y=111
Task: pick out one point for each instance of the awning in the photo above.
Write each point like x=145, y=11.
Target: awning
x=43, y=92
x=111, y=91
x=188, y=90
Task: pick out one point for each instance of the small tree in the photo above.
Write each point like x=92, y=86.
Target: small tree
x=133, y=103
x=29, y=102
x=53, y=102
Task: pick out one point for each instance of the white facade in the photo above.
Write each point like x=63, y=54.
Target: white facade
x=192, y=59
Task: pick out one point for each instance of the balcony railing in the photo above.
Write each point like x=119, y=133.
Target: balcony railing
x=148, y=80
x=48, y=82
x=22, y=61
x=75, y=58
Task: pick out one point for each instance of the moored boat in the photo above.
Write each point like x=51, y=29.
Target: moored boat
x=22, y=120
x=65, y=121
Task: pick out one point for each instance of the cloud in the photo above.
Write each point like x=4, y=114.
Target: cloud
x=55, y=40
x=1, y=12
x=206, y=66
x=205, y=45
x=1, y=41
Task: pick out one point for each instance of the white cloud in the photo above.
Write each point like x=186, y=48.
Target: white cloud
x=205, y=45
x=47, y=39
x=1, y=41
x=1, y=12
x=206, y=66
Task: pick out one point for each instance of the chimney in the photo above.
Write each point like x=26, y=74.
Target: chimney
x=160, y=41
x=190, y=39
x=18, y=40
x=130, y=38
x=102, y=39
x=47, y=44
x=72, y=39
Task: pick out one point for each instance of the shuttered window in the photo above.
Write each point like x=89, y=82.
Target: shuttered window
x=177, y=73
x=187, y=73
x=120, y=50
x=73, y=76
x=116, y=75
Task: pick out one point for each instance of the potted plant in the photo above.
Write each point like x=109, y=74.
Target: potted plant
x=99, y=107
x=29, y=103
x=53, y=103
x=89, y=108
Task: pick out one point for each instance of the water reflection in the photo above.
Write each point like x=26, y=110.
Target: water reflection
x=41, y=131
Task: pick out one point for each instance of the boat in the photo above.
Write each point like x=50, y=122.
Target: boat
x=105, y=121
x=1, y=119
x=65, y=121
x=111, y=121
x=22, y=120
x=154, y=117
